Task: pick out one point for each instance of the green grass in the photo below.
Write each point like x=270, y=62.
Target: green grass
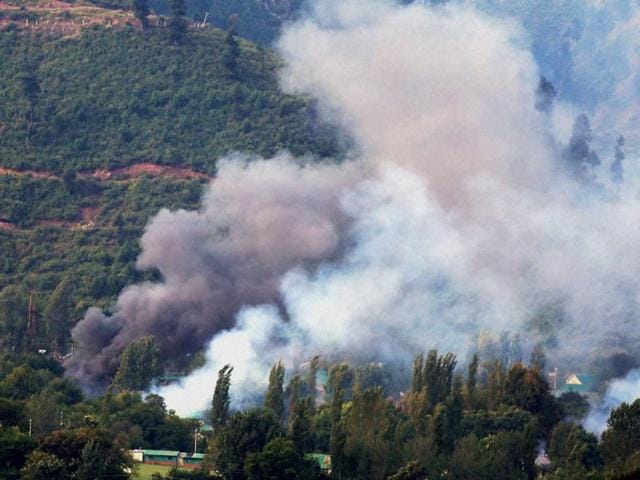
x=143, y=471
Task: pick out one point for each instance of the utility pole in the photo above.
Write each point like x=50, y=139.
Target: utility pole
x=30, y=423
x=195, y=440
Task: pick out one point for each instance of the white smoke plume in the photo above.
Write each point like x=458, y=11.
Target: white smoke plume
x=620, y=390
x=456, y=216
x=466, y=222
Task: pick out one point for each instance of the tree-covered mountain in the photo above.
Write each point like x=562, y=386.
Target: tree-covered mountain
x=109, y=98
x=101, y=125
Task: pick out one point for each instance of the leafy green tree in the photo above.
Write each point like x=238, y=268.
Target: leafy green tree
x=139, y=365
x=438, y=376
x=472, y=378
x=14, y=448
x=313, y=373
x=12, y=413
x=621, y=440
x=274, y=399
x=58, y=315
x=13, y=318
x=45, y=411
x=221, y=400
x=572, y=448
x=245, y=432
x=301, y=425
x=85, y=451
x=526, y=388
x=574, y=405
x=44, y=466
x=338, y=439
x=280, y=460
x=22, y=382
x=417, y=381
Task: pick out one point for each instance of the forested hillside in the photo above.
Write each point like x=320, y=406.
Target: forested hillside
x=92, y=126
x=109, y=98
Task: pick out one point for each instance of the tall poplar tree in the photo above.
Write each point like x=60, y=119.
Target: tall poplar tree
x=221, y=401
x=275, y=393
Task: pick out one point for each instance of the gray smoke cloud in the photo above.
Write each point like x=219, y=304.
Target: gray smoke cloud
x=261, y=219
x=456, y=217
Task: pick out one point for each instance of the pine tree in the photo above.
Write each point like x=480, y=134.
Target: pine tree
x=221, y=401
x=275, y=392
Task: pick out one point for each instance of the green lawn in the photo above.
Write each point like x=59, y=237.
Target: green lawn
x=143, y=471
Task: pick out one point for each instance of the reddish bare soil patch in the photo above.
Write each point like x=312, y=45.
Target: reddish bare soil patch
x=24, y=173
x=6, y=225
x=155, y=170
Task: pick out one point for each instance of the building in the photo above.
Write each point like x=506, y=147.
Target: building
x=168, y=457
x=322, y=459
x=581, y=383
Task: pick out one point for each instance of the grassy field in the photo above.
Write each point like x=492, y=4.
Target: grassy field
x=143, y=472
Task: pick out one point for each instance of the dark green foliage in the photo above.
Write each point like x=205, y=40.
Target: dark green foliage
x=85, y=453
x=139, y=365
x=572, y=448
x=472, y=379
x=527, y=389
x=220, y=402
x=280, y=460
x=141, y=11
x=301, y=425
x=574, y=405
x=179, y=106
x=178, y=23
x=274, y=399
x=621, y=441
x=14, y=448
x=59, y=315
x=246, y=432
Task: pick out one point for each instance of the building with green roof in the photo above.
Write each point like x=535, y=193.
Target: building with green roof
x=581, y=383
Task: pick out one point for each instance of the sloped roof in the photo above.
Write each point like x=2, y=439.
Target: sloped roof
x=577, y=382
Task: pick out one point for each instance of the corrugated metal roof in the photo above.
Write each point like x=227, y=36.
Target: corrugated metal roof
x=161, y=453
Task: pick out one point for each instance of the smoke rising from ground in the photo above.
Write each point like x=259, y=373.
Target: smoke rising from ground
x=262, y=219
x=456, y=217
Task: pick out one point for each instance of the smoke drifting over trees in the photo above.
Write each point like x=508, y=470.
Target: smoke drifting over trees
x=456, y=216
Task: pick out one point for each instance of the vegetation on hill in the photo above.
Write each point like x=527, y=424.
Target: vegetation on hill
x=494, y=422
x=76, y=109
x=109, y=98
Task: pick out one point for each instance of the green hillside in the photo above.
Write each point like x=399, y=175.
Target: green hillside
x=109, y=98
x=77, y=108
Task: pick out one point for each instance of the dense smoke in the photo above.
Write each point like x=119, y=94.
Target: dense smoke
x=458, y=216
x=260, y=220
